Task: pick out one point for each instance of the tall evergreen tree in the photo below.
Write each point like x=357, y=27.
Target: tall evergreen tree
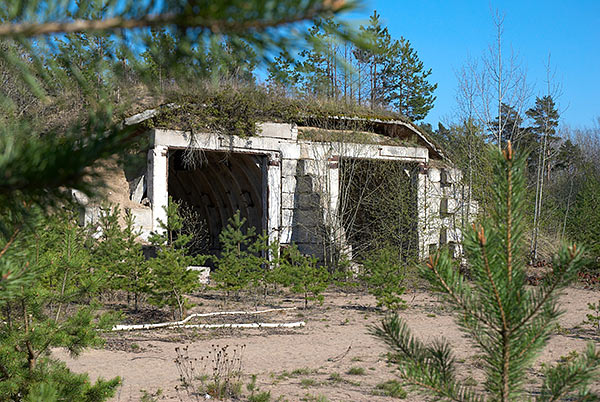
x=511, y=127
x=406, y=84
x=282, y=74
x=318, y=68
x=161, y=48
x=542, y=133
x=378, y=41
x=545, y=121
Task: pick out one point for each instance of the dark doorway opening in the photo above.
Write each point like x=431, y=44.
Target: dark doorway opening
x=378, y=206
x=212, y=188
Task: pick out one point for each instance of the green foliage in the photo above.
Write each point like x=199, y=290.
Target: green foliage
x=583, y=223
x=120, y=255
x=241, y=262
x=282, y=76
x=384, y=274
x=406, y=81
x=303, y=274
x=58, y=117
x=390, y=388
x=507, y=321
x=356, y=371
x=593, y=318
x=378, y=207
x=66, y=269
x=377, y=70
x=161, y=50
x=256, y=395
x=56, y=310
x=262, y=396
x=170, y=278
x=542, y=134
x=572, y=377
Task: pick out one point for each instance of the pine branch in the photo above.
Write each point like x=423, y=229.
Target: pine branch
x=565, y=378
x=214, y=25
x=431, y=368
x=10, y=241
x=460, y=299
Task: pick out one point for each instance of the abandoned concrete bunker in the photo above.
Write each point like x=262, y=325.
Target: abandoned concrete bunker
x=328, y=188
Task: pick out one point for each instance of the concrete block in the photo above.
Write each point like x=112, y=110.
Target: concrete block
x=288, y=184
x=304, y=184
x=203, y=273
x=289, y=150
x=90, y=215
x=80, y=197
x=314, y=167
x=285, y=235
x=308, y=217
x=287, y=200
x=137, y=188
x=311, y=249
x=406, y=153
x=434, y=175
x=287, y=217
x=308, y=200
x=277, y=130
x=288, y=167
x=305, y=234
x=142, y=218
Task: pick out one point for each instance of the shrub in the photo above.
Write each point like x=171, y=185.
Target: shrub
x=391, y=388
x=303, y=274
x=593, y=318
x=220, y=376
x=384, y=274
x=120, y=255
x=58, y=309
x=240, y=262
x=170, y=277
x=356, y=371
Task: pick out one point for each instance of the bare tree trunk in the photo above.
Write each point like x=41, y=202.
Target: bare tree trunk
x=564, y=227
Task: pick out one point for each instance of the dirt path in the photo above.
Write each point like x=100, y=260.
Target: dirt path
x=310, y=362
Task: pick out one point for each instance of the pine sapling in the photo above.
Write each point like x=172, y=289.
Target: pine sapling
x=171, y=278
x=303, y=274
x=384, y=273
x=508, y=322
x=593, y=318
x=238, y=263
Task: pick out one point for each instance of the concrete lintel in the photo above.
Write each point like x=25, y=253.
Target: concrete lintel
x=277, y=130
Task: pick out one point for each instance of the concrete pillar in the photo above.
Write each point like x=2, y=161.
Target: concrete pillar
x=158, y=184
x=422, y=208
x=333, y=198
x=273, y=196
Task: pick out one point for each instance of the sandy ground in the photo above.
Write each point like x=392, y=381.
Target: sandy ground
x=334, y=340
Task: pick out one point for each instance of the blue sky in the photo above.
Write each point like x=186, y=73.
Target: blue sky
x=446, y=32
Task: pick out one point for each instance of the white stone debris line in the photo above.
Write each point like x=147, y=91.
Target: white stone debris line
x=182, y=323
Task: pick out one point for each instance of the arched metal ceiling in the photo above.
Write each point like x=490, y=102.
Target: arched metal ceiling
x=219, y=187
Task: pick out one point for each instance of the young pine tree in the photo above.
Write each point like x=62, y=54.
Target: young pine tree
x=384, y=273
x=170, y=278
x=508, y=322
x=57, y=309
x=303, y=274
x=121, y=257
x=238, y=263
